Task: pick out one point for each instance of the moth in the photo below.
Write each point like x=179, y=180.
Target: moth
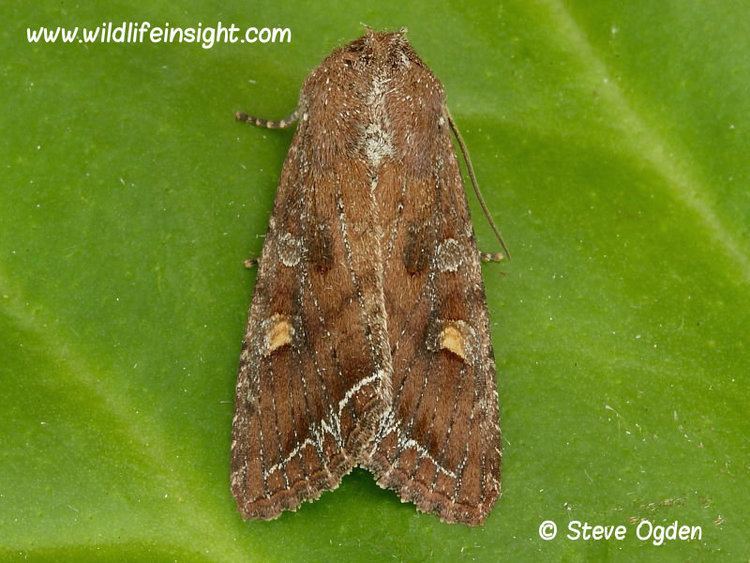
x=368, y=340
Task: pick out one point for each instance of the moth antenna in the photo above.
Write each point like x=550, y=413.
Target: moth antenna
x=474, y=184
x=267, y=123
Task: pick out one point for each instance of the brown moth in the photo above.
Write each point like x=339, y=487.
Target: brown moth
x=368, y=341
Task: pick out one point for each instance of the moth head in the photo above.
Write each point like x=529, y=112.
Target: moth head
x=388, y=48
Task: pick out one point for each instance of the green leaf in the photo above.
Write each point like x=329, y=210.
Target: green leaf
x=612, y=142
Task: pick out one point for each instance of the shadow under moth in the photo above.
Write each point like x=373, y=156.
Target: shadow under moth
x=368, y=340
